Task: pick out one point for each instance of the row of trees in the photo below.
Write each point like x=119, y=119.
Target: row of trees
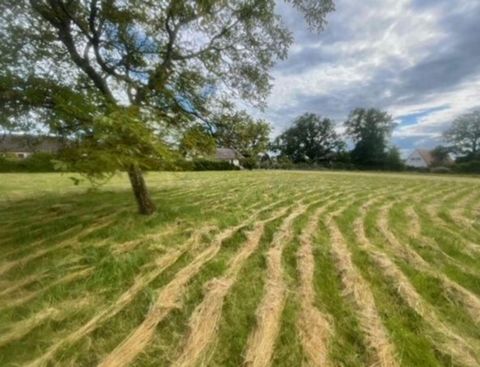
x=237, y=130
x=463, y=137
x=313, y=140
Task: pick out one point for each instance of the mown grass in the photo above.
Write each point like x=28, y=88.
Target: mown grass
x=50, y=229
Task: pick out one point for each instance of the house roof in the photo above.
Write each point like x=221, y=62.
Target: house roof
x=426, y=156
x=227, y=154
x=29, y=143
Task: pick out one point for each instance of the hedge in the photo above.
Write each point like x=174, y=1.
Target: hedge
x=37, y=162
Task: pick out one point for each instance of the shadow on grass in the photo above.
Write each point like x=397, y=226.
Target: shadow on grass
x=95, y=214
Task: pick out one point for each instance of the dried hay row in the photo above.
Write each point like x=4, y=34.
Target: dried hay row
x=313, y=326
x=415, y=232
x=458, y=216
x=355, y=286
x=206, y=316
x=204, y=320
x=470, y=248
x=452, y=343
x=7, y=266
x=140, y=282
x=172, y=229
x=466, y=297
x=22, y=328
x=16, y=285
x=169, y=297
x=127, y=246
x=448, y=341
x=41, y=241
x=32, y=295
x=44, y=218
x=261, y=341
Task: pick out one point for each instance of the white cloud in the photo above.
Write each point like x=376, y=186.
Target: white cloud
x=378, y=53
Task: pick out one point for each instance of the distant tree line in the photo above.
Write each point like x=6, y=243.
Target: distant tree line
x=313, y=140
x=463, y=140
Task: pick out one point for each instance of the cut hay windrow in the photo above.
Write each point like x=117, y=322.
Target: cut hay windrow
x=79, y=217
x=42, y=241
x=451, y=343
x=131, y=245
x=469, y=247
x=262, y=340
x=14, y=286
x=9, y=265
x=415, y=232
x=51, y=214
x=356, y=287
x=32, y=295
x=205, y=319
x=457, y=213
x=21, y=328
x=445, y=339
x=313, y=326
x=170, y=297
x=140, y=282
x=469, y=300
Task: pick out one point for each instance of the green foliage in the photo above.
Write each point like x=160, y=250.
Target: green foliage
x=249, y=163
x=467, y=167
x=393, y=160
x=241, y=132
x=370, y=130
x=464, y=135
x=209, y=165
x=202, y=165
x=441, y=156
x=314, y=10
x=197, y=142
x=311, y=139
x=37, y=162
x=115, y=142
x=440, y=169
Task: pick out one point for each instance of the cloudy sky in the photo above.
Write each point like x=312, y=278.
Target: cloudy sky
x=417, y=59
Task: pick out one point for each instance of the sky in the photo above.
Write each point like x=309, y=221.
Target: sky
x=417, y=59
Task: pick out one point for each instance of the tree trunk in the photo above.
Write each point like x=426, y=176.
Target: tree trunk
x=140, y=190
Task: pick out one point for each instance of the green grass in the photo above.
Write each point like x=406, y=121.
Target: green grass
x=51, y=229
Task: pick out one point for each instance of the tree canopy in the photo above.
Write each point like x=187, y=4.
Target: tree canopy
x=241, y=132
x=311, y=138
x=370, y=130
x=118, y=78
x=464, y=135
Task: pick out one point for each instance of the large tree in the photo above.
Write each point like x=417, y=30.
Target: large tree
x=117, y=77
x=311, y=138
x=464, y=135
x=370, y=130
x=241, y=132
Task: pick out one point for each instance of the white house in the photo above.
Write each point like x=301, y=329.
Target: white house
x=419, y=158
x=423, y=158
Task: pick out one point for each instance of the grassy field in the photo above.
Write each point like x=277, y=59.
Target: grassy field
x=241, y=268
